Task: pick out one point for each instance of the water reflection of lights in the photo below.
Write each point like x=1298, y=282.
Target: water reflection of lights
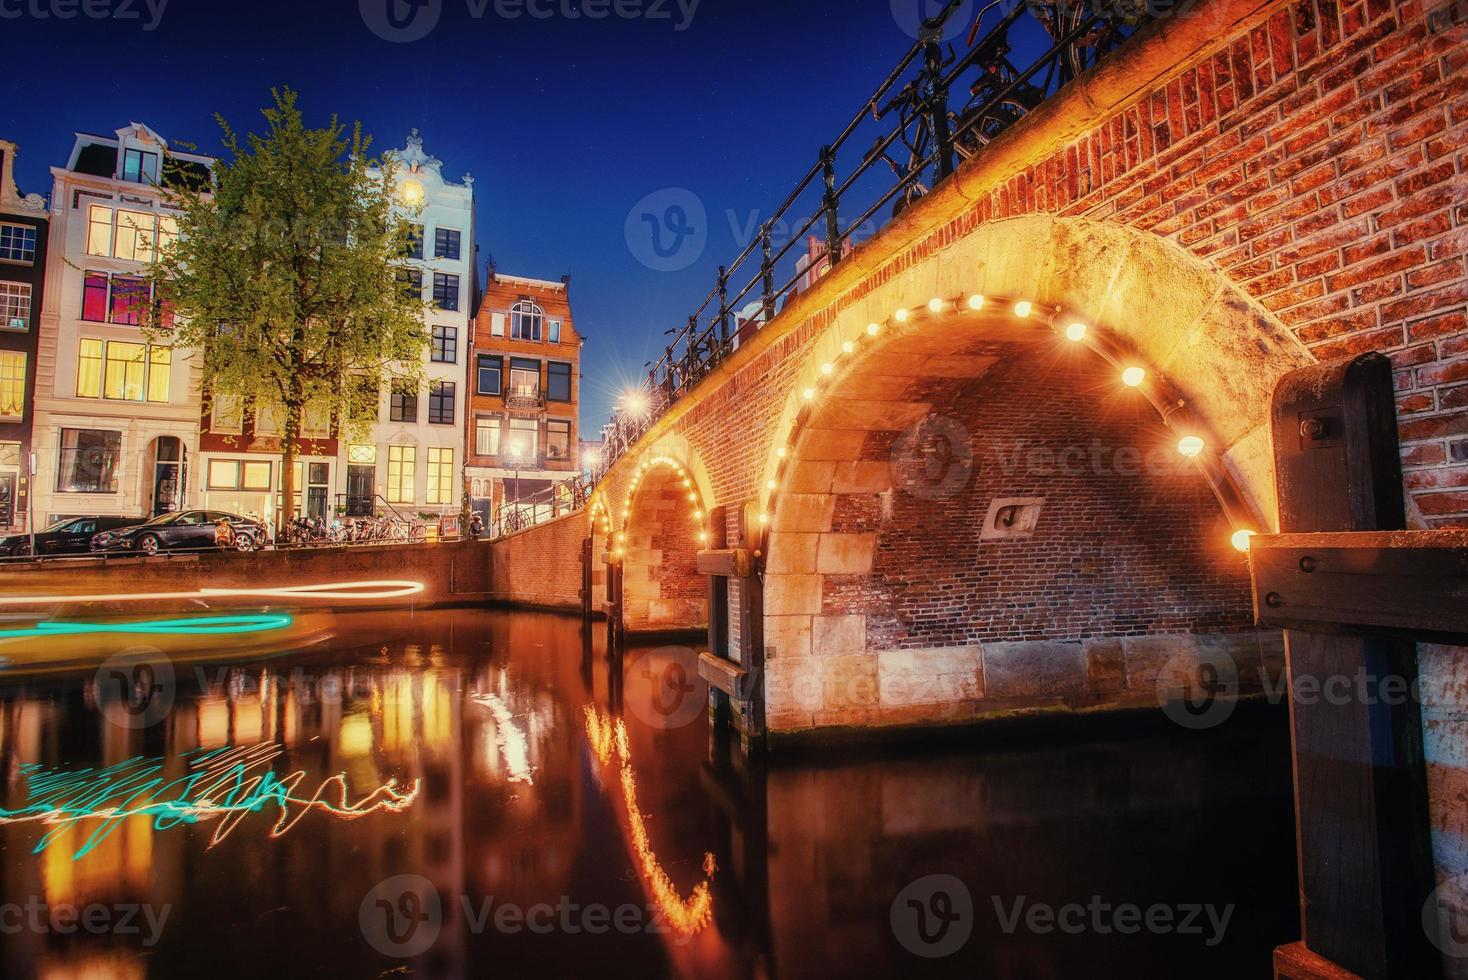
x=608, y=738
x=387, y=589
x=513, y=744
x=221, y=784
x=200, y=626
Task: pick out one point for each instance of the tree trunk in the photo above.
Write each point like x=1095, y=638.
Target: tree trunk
x=287, y=511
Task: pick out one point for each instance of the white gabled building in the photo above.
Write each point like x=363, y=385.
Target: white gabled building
x=116, y=420
x=413, y=459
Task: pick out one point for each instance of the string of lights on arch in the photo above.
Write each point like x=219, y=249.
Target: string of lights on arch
x=1173, y=410
x=619, y=540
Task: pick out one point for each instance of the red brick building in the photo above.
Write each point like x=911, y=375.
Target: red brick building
x=524, y=391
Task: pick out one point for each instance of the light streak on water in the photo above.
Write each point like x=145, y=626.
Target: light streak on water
x=225, y=785
x=608, y=739
x=198, y=626
x=386, y=589
x=513, y=744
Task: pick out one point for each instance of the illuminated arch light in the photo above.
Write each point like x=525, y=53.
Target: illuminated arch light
x=935, y=305
x=1023, y=308
x=873, y=329
x=848, y=347
x=1243, y=539
x=685, y=477
x=1133, y=376
x=1190, y=446
x=976, y=302
x=1076, y=332
x=901, y=316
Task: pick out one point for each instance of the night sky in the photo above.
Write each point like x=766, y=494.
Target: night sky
x=565, y=122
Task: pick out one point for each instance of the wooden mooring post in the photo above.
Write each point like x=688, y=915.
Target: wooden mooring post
x=1353, y=591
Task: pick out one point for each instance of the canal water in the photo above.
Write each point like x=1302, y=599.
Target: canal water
x=486, y=794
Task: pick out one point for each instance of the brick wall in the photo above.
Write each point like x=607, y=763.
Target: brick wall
x=541, y=566
x=1130, y=540
x=661, y=582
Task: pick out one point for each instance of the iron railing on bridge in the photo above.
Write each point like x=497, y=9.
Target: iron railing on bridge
x=922, y=134
x=555, y=501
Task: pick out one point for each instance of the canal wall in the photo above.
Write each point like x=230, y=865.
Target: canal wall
x=451, y=573
x=540, y=567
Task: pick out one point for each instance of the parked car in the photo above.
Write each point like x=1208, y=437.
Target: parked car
x=184, y=529
x=72, y=536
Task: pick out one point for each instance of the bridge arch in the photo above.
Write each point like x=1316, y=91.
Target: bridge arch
x=661, y=525
x=1149, y=354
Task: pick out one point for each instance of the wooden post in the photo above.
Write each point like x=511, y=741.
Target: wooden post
x=587, y=578
x=1361, y=818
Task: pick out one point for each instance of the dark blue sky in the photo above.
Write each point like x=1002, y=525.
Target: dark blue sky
x=565, y=122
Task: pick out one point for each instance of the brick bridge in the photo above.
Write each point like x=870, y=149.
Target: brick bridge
x=999, y=458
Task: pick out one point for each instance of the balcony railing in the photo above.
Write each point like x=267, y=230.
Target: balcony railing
x=909, y=125
x=524, y=397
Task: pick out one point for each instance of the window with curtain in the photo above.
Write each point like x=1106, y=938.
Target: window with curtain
x=136, y=236
x=487, y=436
x=124, y=371
x=90, y=461
x=15, y=305
x=227, y=414
x=12, y=384
x=99, y=230
x=558, y=440
x=129, y=300
x=401, y=463
x=440, y=475
x=525, y=320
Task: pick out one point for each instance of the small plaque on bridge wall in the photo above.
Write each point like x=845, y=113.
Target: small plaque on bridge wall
x=1012, y=517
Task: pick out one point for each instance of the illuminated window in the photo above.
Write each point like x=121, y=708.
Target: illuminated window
x=524, y=447
x=440, y=475
x=487, y=436
x=256, y=477
x=140, y=166
x=90, y=460
x=362, y=454
x=136, y=234
x=554, y=336
x=122, y=371
x=99, y=230
x=17, y=243
x=224, y=474
x=401, y=461
x=94, y=297
x=167, y=231
x=525, y=320
x=15, y=306
x=268, y=416
x=227, y=414
x=12, y=384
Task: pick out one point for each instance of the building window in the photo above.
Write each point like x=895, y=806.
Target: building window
x=401, y=461
x=525, y=320
x=316, y=419
x=413, y=247
x=233, y=474
x=269, y=418
x=90, y=459
x=99, y=230
x=440, y=475
x=18, y=243
x=491, y=366
x=94, y=297
x=411, y=281
x=558, y=382
x=404, y=407
x=445, y=243
x=227, y=414
x=496, y=324
x=524, y=447
x=446, y=291
x=12, y=384
x=140, y=167
x=555, y=332
x=15, y=306
x=135, y=236
x=524, y=378
x=117, y=299
x=487, y=436
x=446, y=344
x=441, y=396
x=558, y=440
x=121, y=371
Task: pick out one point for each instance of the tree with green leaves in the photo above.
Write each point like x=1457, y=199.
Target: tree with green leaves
x=284, y=280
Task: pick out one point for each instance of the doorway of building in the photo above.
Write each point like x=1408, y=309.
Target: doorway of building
x=168, y=475
x=361, y=487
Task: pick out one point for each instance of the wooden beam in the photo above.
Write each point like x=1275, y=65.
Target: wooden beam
x=1361, y=818
x=1407, y=583
x=725, y=562
x=723, y=674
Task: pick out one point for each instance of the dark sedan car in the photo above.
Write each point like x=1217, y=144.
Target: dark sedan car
x=180, y=530
x=72, y=536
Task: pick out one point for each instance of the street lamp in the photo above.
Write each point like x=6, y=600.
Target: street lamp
x=517, y=450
